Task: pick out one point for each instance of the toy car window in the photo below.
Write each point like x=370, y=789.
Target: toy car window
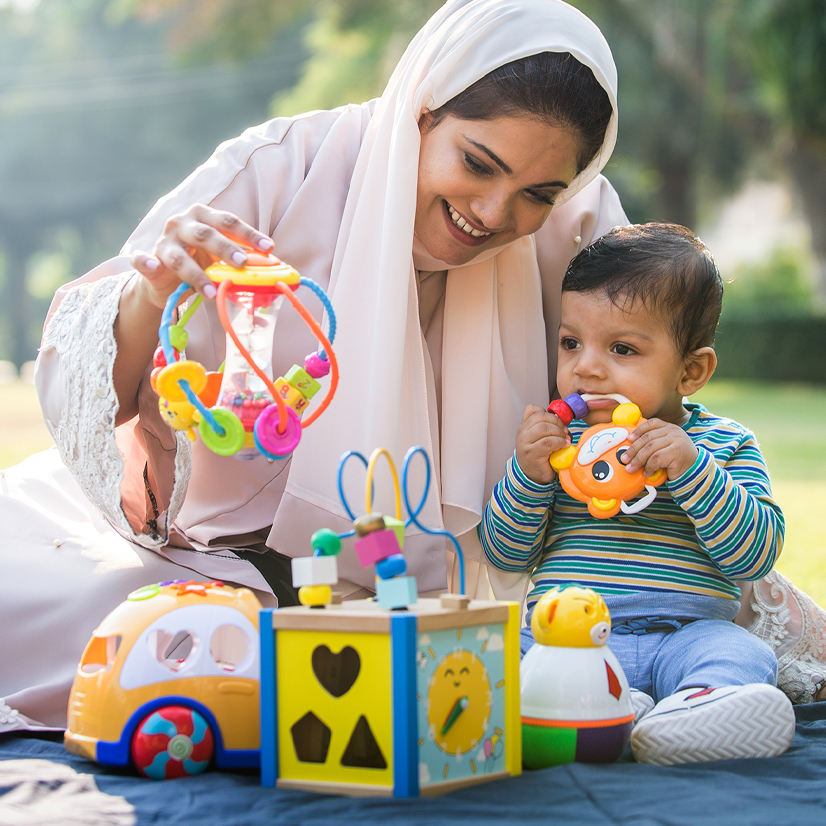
x=100, y=653
x=228, y=646
x=173, y=650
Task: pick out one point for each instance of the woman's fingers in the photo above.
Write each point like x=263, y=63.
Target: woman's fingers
x=191, y=241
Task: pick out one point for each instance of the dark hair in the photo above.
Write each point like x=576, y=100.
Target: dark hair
x=551, y=86
x=666, y=268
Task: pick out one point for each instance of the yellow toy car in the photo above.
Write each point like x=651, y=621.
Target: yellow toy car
x=169, y=682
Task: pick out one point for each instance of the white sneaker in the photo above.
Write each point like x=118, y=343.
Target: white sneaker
x=641, y=703
x=699, y=724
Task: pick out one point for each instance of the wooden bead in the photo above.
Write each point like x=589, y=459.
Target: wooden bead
x=315, y=595
x=376, y=546
x=314, y=570
x=395, y=565
x=368, y=523
x=326, y=542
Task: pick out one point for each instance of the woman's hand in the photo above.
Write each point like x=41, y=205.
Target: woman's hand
x=190, y=242
x=539, y=435
x=657, y=445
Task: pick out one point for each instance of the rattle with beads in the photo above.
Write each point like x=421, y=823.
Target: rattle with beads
x=379, y=542
x=239, y=410
x=593, y=471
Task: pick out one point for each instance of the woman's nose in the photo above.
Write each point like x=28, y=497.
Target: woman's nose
x=492, y=210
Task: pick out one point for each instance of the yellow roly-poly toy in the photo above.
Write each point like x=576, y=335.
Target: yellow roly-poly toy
x=592, y=470
x=575, y=700
x=240, y=411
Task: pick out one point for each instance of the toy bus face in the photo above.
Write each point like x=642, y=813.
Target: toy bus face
x=193, y=645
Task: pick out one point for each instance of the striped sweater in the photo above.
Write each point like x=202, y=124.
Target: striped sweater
x=715, y=524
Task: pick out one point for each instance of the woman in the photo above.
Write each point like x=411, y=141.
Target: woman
x=427, y=226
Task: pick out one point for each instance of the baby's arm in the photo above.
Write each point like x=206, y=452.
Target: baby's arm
x=513, y=523
x=736, y=519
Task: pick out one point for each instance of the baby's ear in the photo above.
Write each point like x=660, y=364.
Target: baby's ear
x=698, y=369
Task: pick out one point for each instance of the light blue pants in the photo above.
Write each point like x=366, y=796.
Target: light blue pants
x=707, y=653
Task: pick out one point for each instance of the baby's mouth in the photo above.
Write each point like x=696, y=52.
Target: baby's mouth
x=599, y=401
x=463, y=225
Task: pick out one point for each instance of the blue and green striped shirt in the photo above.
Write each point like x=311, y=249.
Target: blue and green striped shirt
x=715, y=524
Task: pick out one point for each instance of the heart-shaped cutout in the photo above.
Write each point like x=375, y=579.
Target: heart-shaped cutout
x=336, y=672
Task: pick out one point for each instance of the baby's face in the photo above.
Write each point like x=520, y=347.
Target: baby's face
x=606, y=350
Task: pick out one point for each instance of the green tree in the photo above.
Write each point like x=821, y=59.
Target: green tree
x=788, y=53
x=96, y=122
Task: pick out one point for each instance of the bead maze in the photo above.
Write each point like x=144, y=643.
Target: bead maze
x=592, y=470
x=396, y=696
x=240, y=411
x=575, y=700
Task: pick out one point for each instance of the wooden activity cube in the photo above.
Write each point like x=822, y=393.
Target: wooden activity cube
x=358, y=700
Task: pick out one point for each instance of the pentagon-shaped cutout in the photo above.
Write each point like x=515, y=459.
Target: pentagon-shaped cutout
x=311, y=739
x=363, y=751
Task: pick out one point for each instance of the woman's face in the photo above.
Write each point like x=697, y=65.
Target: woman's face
x=485, y=183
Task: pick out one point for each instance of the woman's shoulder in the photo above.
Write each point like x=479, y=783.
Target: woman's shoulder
x=263, y=168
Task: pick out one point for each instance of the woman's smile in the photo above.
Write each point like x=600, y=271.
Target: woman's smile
x=485, y=183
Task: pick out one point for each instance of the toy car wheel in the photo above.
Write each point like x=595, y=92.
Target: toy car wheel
x=172, y=741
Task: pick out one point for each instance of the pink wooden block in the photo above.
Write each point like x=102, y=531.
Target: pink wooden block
x=376, y=546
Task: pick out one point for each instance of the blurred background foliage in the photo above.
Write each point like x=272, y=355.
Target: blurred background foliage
x=105, y=105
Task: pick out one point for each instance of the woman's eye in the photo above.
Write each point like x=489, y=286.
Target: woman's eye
x=539, y=198
x=623, y=350
x=569, y=344
x=474, y=166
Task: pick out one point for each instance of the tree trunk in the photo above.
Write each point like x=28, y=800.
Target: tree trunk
x=807, y=163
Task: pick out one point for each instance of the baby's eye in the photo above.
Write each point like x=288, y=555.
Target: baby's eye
x=569, y=344
x=623, y=350
x=474, y=166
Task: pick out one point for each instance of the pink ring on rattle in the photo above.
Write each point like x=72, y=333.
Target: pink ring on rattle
x=266, y=431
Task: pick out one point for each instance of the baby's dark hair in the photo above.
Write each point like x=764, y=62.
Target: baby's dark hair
x=552, y=86
x=666, y=268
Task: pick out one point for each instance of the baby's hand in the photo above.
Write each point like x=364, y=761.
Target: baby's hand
x=539, y=435
x=656, y=445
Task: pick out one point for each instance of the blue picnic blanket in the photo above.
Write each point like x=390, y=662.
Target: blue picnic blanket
x=40, y=783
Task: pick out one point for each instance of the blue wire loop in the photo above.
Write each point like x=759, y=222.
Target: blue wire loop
x=331, y=316
x=339, y=474
x=415, y=512
x=166, y=321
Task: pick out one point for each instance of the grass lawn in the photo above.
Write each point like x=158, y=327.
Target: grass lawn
x=787, y=419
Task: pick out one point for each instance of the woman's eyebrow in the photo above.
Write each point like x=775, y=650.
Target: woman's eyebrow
x=507, y=170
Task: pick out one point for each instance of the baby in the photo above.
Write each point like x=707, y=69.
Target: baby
x=639, y=313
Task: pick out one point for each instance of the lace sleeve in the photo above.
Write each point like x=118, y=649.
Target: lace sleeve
x=776, y=611
x=81, y=335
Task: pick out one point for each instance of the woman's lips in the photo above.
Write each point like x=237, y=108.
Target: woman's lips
x=458, y=233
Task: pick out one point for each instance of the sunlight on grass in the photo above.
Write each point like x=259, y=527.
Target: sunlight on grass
x=788, y=422
x=22, y=429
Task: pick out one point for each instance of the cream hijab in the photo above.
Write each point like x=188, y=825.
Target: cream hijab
x=493, y=359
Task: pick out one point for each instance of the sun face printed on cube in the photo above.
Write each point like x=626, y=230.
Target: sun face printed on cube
x=459, y=702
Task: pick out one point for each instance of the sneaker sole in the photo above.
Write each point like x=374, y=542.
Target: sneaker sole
x=756, y=724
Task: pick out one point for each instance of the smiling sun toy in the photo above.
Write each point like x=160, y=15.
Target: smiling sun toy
x=593, y=472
